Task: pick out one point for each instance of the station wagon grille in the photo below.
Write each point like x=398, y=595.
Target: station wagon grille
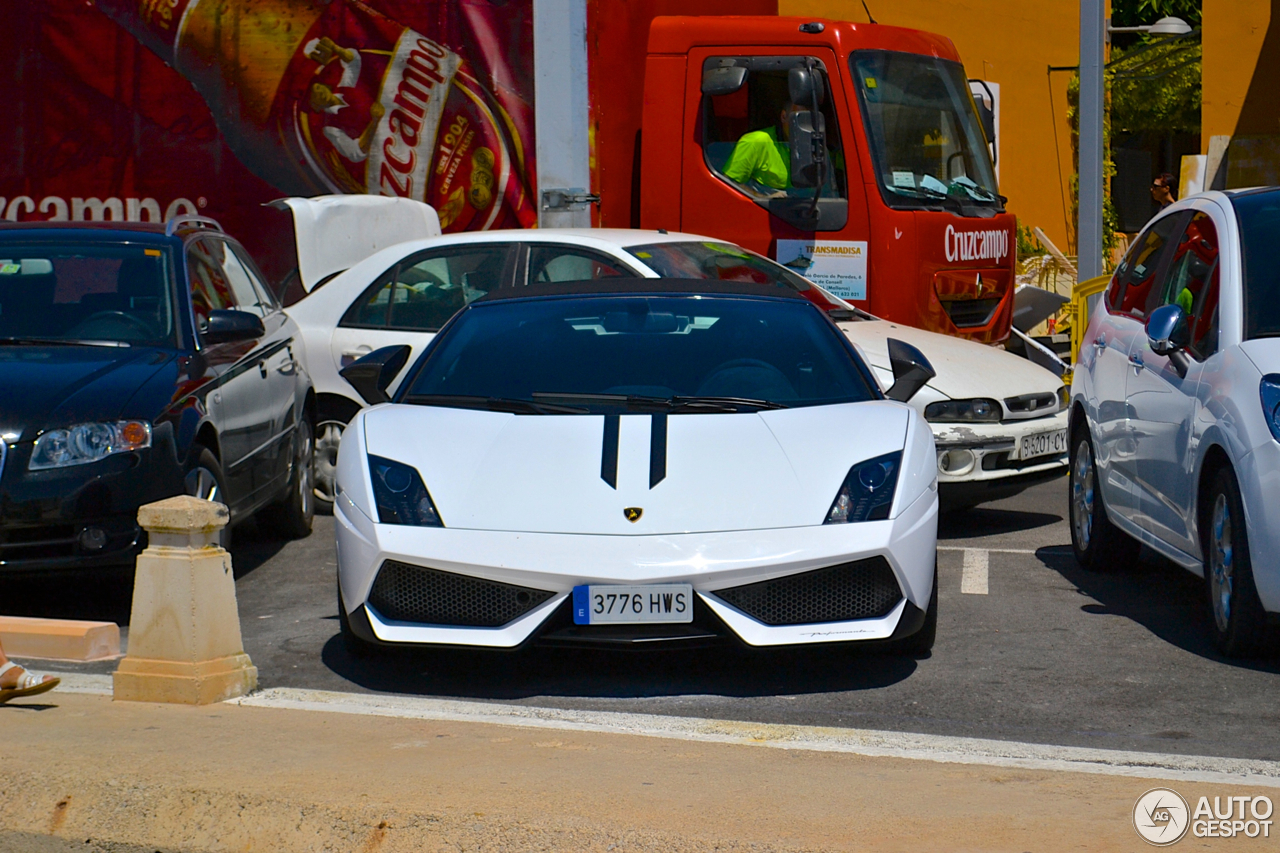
x=864, y=589
x=405, y=593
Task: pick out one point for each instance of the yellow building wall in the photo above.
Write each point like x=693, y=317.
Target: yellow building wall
x=1013, y=43
x=1232, y=35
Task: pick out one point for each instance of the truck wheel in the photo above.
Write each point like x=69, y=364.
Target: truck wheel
x=328, y=437
x=293, y=514
x=1098, y=544
x=204, y=480
x=1239, y=623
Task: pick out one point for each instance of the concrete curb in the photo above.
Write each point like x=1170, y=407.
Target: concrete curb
x=59, y=639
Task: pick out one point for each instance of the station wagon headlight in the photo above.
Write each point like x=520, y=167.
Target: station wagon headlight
x=400, y=494
x=1271, y=403
x=84, y=443
x=977, y=410
x=867, y=491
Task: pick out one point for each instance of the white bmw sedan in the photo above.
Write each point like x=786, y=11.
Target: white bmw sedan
x=999, y=421
x=642, y=461
x=1175, y=418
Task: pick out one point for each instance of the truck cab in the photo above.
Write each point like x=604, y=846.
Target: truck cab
x=853, y=153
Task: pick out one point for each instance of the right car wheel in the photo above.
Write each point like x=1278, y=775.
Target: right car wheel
x=1098, y=544
x=1239, y=623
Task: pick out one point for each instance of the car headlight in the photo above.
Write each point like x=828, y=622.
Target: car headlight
x=867, y=492
x=82, y=443
x=979, y=409
x=1271, y=402
x=400, y=494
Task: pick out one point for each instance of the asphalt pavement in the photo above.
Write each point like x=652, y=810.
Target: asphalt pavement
x=1030, y=648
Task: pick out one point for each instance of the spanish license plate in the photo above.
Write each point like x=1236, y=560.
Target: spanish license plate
x=1043, y=444
x=617, y=604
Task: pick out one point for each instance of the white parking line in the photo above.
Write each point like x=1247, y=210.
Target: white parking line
x=973, y=580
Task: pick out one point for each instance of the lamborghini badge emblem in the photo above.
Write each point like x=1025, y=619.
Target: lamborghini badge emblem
x=633, y=513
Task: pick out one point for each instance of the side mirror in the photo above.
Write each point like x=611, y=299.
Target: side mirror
x=807, y=137
x=224, y=325
x=911, y=370
x=724, y=80
x=805, y=87
x=373, y=374
x=1167, y=330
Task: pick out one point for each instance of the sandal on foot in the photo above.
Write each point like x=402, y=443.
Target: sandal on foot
x=29, y=684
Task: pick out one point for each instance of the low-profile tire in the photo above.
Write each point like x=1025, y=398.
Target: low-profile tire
x=325, y=472
x=1236, y=617
x=204, y=479
x=920, y=643
x=292, y=515
x=1097, y=543
x=355, y=646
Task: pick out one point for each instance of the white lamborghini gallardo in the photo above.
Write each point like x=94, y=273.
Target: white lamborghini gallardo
x=637, y=461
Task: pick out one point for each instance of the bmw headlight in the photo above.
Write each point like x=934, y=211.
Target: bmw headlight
x=1271, y=402
x=867, y=492
x=82, y=443
x=979, y=409
x=400, y=494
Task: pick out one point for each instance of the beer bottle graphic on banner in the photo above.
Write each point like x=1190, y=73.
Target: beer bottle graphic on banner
x=337, y=98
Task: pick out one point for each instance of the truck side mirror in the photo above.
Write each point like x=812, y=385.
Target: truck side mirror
x=987, y=117
x=373, y=374
x=911, y=370
x=808, y=142
x=803, y=84
x=723, y=81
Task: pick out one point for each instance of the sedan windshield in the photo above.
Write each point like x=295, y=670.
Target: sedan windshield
x=925, y=137
x=114, y=294
x=677, y=353
x=1259, y=218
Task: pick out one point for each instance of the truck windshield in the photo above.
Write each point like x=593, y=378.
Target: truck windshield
x=926, y=141
x=96, y=293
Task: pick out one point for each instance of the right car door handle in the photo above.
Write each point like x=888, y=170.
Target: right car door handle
x=1135, y=359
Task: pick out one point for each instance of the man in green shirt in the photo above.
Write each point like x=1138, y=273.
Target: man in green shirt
x=761, y=158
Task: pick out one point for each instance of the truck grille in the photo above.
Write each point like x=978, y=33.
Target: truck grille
x=405, y=593
x=966, y=313
x=864, y=589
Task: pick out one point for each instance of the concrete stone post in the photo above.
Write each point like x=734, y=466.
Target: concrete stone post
x=184, y=632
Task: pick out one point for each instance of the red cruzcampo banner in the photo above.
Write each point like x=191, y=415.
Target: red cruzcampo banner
x=142, y=109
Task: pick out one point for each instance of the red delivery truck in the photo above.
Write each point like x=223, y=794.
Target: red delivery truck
x=852, y=152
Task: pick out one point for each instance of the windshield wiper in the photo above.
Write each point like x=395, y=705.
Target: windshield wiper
x=66, y=342
x=640, y=402
x=493, y=404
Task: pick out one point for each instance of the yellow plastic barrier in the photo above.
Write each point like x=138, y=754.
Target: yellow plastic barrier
x=1077, y=310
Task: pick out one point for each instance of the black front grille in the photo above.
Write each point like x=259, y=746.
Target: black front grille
x=46, y=542
x=971, y=312
x=1032, y=402
x=864, y=589
x=405, y=593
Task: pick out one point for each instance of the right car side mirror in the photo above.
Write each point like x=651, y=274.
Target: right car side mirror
x=911, y=370
x=1167, y=330
x=373, y=374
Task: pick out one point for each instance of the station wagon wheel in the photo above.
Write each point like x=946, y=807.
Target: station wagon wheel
x=1239, y=622
x=1097, y=543
x=325, y=473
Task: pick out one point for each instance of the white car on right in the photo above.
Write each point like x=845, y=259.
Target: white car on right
x=1175, y=409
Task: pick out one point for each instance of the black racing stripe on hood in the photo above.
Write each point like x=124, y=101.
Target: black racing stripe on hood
x=658, y=449
x=609, y=450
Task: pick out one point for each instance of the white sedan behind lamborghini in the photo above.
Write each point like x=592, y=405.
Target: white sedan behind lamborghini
x=643, y=461
x=997, y=419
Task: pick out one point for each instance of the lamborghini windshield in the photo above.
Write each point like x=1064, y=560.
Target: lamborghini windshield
x=676, y=353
